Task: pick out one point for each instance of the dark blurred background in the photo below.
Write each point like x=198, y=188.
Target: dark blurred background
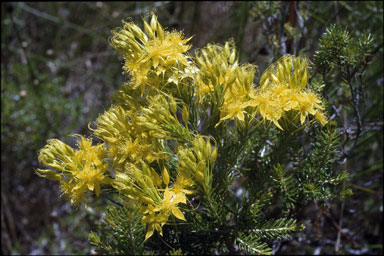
x=58, y=72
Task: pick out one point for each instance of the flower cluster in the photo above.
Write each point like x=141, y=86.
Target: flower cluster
x=156, y=201
x=222, y=82
x=79, y=171
x=283, y=88
x=151, y=54
x=158, y=196
x=153, y=153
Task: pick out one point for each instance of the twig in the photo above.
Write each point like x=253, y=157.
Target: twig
x=337, y=244
x=54, y=19
x=355, y=100
x=368, y=190
x=17, y=33
x=6, y=218
x=337, y=227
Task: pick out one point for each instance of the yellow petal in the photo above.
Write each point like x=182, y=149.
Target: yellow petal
x=178, y=214
x=167, y=195
x=49, y=174
x=277, y=124
x=322, y=118
x=180, y=198
x=90, y=185
x=228, y=116
x=302, y=117
x=155, y=61
x=240, y=115
x=150, y=230
x=159, y=229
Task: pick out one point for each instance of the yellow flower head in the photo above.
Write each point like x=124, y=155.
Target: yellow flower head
x=283, y=88
x=289, y=70
x=151, y=54
x=158, y=215
x=128, y=141
x=222, y=82
x=170, y=202
x=79, y=171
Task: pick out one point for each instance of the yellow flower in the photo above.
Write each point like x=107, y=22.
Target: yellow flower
x=158, y=215
x=181, y=184
x=283, y=88
x=166, y=52
x=80, y=170
x=128, y=141
x=321, y=118
x=268, y=106
x=155, y=222
x=307, y=104
x=148, y=56
x=222, y=83
x=169, y=204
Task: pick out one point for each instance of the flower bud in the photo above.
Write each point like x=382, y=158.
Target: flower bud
x=136, y=31
x=154, y=22
x=304, y=80
x=232, y=57
x=147, y=200
x=156, y=177
x=214, y=155
x=173, y=105
x=148, y=30
x=274, y=78
x=226, y=50
x=185, y=115
x=200, y=176
x=165, y=176
x=160, y=32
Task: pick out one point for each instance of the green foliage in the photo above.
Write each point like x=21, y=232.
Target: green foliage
x=252, y=241
x=337, y=49
x=119, y=232
x=175, y=252
x=251, y=245
x=316, y=179
x=262, y=10
x=277, y=229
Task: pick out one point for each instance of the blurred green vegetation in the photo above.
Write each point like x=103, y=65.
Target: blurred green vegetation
x=58, y=73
